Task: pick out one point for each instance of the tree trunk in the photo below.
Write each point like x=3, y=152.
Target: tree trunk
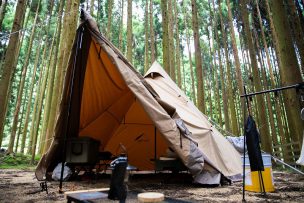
x=66, y=43
x=264, y=128
x=198, y=60
x=272, y=80
x=152, y=35
x=289, y=71
x=129, y=33
x=297, y=32
x=92, y=7
x=190, y=55
x=268, y=99
x=2, y=12
x=109, y=25
x=21, y=86
x=165, y=41
x=147, y=65
x=234, y=125
x=8, y=68
x=171, y=40
x=177, y=42
x=49, y=105
x=29, y=104
x=36, y=114
x=42, y=92
x=236, y=59
x=121, y=26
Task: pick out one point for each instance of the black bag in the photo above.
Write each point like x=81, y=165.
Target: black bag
x=253, y=145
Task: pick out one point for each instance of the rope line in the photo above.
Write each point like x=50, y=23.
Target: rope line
x=39, y=24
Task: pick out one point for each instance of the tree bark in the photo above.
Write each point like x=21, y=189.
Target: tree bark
x=92, y=7
x=109, y=25
x=147, y=64
x=171, y=40
x=129, y=33
x=50, y=109
x=152, y=35
x=264, y=127
x=177, y=42
x=297, y=32
x=8, y=65
x=236, y=58
x=29, y=104
x=21, y=86
x=165, y=41
x=120, y=44
x=289, y=71
x=189, y=55
x=233, y=120
x=198, y=60
x=2, y=12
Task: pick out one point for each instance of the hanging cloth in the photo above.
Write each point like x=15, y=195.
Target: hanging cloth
x=253, y=145
x=301, y=158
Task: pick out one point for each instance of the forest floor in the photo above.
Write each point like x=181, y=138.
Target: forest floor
x=17, y=185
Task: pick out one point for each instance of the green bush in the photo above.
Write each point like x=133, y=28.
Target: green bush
x=17, y=161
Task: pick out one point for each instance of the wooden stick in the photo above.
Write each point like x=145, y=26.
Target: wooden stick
x=91, y=190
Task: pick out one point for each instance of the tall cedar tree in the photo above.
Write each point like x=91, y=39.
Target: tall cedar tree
x=289, y=70
x=198, y=60
x=9, y=61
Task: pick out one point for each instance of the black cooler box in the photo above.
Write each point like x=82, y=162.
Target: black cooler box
x=82, y=150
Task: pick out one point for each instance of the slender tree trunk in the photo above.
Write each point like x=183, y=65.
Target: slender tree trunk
x=66, y=42
x=189, y=54
x=35, y=117
x=147, y=65
x=165, y=41
x=177, y=42
x=50, y=106
x=273, y=82
x=289, y=71
x=297, y=31
x=42, y=93
x=234, y=125
x=121, y=26
x=29, y=104
x=236, y=58
x=222, y=78
x=8, y=68
x=268, y=99
x=152, y=35
x=21, y=87
x=198, y=60
x=2, y=12
x=20, y=125
x=109, y=25
x=92, y=7
x=171, y=40
x=129, y=33
x=264, y=128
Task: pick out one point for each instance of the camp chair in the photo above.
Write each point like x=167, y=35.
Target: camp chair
x=105, y=158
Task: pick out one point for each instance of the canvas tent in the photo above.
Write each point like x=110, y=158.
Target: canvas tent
x=105, y=98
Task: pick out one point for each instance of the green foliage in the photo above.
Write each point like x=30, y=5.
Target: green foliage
x=17, y=161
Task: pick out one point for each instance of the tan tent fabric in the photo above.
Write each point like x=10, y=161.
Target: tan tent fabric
x=105, y=98
x=210, y=141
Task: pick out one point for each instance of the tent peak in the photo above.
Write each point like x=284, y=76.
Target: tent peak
x=156, y=68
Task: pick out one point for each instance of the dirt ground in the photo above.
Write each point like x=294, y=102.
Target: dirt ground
x=22, y=186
